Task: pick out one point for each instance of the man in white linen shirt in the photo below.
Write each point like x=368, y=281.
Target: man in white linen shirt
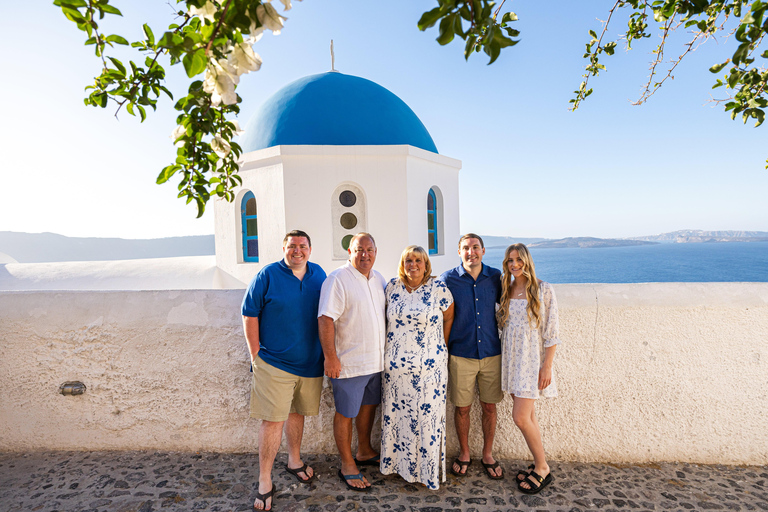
x=351, y=322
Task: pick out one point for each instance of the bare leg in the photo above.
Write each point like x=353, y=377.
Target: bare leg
x=294, y=432
x=342, y=432
x=489, y=433
x=270, y=434
x=524, y=415
x=364, y=425
x=461, y=420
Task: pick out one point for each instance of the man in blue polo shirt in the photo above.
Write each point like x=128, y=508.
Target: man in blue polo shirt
x=474, y=350
x=280, y=323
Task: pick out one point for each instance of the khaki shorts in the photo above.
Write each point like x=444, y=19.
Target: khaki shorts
x=275, y=393
x=464, y=372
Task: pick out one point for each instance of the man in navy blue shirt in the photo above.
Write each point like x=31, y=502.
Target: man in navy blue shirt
x=474, y=350
x=280, y=323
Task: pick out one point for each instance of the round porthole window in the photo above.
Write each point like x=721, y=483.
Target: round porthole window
x=347, y=198
x=345, y=242
x=348, y=220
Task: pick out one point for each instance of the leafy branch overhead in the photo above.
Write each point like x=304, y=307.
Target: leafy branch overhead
x=215, y=38
x=746, y=76
x=475, y=21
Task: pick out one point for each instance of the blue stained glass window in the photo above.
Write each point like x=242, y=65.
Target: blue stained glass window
x=249, y=225
x=432, y=222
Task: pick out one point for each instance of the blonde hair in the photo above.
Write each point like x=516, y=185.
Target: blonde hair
x=418, y=250
x=531, y=288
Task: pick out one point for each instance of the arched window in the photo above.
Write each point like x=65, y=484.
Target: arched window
x=250, y=228
x=432, y=222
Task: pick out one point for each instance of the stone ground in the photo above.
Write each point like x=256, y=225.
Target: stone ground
x=154, y=481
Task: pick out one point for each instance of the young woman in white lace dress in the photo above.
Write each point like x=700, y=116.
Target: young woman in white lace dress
x=527, y=317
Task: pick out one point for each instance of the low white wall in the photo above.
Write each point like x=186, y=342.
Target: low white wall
x=647, y=372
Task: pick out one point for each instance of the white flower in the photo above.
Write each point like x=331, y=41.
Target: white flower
x=220, y=81
x=220, y=146
x=287, y=4
x=243, y=59
x=178, y=132
x=205, y=12
x=255, y=33
x=237, y=131
x=269, y=18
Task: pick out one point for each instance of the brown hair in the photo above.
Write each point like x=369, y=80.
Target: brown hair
x=297, y=232
x=471, y=235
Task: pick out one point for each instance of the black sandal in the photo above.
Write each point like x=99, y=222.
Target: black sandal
x=302, y=469
x=463, y=464
x=536, y=482
x=489, y=467
x=264, y=497
x=524, y=474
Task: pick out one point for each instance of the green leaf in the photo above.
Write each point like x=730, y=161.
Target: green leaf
x=118, y=65
x=200, y=207
x=429, y=18
x=509, y=16
x=446, y=31
x=194, y=63
x=760, y=116
x=166, y=173
x=73, y=15
x=593, y=34
x=493, y=49
x=114, y=38
x=470, y=46
x=149, y=34
x=718, y=67
x=109, y=9
x=733, y=79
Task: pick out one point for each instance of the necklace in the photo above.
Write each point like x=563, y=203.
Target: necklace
x=411, y=288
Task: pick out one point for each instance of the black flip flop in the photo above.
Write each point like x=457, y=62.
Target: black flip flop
x=488, y=467
x=264, y=497
x=537, y=483
x=373, y=461
x=462, y=465
x=347, y=478
x=302, y=469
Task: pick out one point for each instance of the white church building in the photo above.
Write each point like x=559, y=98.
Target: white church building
x=333, y=155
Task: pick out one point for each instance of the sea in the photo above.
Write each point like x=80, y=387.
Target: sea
x=659, y=263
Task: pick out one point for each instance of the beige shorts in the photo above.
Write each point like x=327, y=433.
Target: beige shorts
x=464, y=372
x=275, y=393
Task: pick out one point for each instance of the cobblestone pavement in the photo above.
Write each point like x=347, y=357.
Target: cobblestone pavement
x=153, y=481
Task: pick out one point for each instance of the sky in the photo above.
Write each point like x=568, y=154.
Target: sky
x=530, y=167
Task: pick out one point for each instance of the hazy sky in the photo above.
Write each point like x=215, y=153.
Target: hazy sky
x=530, y=167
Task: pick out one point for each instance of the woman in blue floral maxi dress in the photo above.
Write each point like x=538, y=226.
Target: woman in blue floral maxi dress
x=419, y=318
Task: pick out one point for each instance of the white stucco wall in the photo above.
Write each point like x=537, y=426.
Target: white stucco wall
x=647, y=372
x=179, y=273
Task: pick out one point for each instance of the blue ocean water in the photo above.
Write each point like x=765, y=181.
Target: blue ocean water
x=669, y=262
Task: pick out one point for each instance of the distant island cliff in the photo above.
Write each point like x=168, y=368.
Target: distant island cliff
x=688, y=236
x=586, y=242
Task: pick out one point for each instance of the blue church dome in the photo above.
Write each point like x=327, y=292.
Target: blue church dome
x=336, y=110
